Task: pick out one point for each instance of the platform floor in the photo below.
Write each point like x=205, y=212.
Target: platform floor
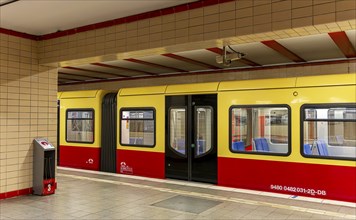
x=95, y=195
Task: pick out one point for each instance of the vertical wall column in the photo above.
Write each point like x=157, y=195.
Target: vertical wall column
x=28, y=105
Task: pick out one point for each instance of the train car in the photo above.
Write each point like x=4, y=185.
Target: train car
x=294, y=135
x=84, y=142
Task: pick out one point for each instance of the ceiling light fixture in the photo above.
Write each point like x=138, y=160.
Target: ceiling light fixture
x=227, y=57
x=6, y=2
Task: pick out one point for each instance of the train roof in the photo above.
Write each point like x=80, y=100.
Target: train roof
x=80, y=94
x=280, y=83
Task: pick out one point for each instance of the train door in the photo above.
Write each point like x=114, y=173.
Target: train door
x=108, y=134
x=191, y=138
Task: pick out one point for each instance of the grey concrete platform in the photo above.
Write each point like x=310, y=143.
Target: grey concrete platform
x=94, y=195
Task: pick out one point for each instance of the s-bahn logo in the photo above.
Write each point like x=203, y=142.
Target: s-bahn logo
x=125, y=168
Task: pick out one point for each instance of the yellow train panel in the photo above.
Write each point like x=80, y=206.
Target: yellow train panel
x=192, y=88
x=79, y=94
x=340, y=79
x=257, y=84
x=143, y=91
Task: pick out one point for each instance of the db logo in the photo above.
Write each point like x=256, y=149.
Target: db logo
x=90, y=161
x=125, y=168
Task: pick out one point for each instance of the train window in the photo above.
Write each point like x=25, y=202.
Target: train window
x=260, y=129
x=80, y=125
x=137, y=127
x=329, y=131
x=204, y=129
x=177, y=128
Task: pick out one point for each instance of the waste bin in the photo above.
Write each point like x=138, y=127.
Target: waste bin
x=44, y=182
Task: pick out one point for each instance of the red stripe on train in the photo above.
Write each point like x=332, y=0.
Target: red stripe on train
x=313, y=180
x=141, y=163
x=79, y=157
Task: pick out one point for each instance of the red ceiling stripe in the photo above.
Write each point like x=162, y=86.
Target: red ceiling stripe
x=191, y=61
x=154, y=65
x=18, y=34
x=242, y=60
x=123, y=68
x=343, y=42
x=94, y=71
x=283, y=51
x=216, y=50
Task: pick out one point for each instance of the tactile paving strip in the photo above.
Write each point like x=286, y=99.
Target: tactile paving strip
x=187, y=204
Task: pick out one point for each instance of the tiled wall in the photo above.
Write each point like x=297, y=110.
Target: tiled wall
x=239, y=21
x=28, y=105
x=244, y=74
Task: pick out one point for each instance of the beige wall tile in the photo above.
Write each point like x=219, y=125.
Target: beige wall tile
x=244, y=4
x=302, y=12
x=285, y=5
x=324, y=8
x=301, y=3
x=346, y=15
x=245, y=12
x=302, y=22
x=262, y=9
x=18, y=95
x=345, y=5
x=324, y=18
x=214, y=9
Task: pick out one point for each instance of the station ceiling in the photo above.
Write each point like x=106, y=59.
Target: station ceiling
x=314, y=48
x=55, y=15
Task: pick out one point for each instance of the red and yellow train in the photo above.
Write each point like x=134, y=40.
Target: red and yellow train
x=294, y=135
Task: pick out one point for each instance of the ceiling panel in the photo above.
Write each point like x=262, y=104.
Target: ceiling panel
x=111, y=70
x=50, y=16
x=351, y=34
x=208, y=57
x=138, y=66
x=311, y=48
x=166, y=61
x=261, y=54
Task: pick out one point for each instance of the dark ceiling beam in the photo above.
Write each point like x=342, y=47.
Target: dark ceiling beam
x=191, y=61
x=8, y=2
x=155, y=65
x=69, y=79
x=343, y=42
x=80, y=75
x=94, y=71
x=242, y=60
x=124, y=69
x=283, y=50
